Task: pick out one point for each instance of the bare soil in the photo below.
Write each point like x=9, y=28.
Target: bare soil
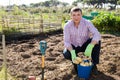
x=24, y=58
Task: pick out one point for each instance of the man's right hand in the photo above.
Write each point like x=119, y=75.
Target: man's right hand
x=73, y=54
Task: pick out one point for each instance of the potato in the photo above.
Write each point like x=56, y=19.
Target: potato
x=86, y=63
x=76, y=61
x=82, y=64
x=79, y=59
x=90, y=63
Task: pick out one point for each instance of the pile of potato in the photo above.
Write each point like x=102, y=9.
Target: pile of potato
x=82, y=62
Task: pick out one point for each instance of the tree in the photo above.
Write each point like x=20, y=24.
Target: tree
x=118, y=2
x=64, y=4
x=98, y=3
x=114, y=2
x=54, y=2
x=46, y=3
x=77, y=1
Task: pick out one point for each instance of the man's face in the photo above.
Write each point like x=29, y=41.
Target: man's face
x=76, y=16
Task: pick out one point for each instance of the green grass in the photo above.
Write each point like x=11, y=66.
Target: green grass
x=2, y=75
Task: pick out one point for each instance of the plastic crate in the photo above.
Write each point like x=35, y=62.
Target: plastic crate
x=88, y=17
x=94, y=13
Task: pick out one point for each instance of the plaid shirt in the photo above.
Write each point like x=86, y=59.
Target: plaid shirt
x=78, y=36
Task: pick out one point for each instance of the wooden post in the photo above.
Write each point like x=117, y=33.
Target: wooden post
x=18, y=18
x=22, y=20
x=4, y=56
x=33, y=22
x=49, y=20
x=41, y=24
x=3, y=23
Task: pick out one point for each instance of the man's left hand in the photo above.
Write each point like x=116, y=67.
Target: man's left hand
x=88, y=50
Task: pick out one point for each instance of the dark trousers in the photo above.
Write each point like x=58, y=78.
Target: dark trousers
x=95, y=51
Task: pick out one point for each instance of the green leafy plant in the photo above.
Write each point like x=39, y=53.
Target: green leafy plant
x=107, y=22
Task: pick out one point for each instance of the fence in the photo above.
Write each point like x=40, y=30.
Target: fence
x=29, y=25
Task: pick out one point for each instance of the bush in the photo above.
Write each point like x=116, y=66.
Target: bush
x=107, y=22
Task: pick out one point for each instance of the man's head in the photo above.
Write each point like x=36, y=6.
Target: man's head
x=76, y=14
x=75, y=9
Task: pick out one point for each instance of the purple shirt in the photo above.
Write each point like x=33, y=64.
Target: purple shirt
x=78, y=36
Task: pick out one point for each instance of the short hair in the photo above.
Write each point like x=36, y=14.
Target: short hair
x=75, y=9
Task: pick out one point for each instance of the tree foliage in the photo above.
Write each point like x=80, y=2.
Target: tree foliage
x=98, y=3
x=49, y=3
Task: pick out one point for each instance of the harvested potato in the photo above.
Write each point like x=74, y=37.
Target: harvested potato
x=76, y=61
x=86, y=63
x=79, y=59
x=90, y=63
x=82, y=64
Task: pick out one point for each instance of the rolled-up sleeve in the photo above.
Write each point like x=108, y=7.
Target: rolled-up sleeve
x=94, y=31
x=67, y=41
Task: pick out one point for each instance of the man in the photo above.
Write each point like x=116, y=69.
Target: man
x=77, y=38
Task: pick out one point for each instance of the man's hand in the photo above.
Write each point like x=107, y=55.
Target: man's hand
x=88, y=50
x=73, y=54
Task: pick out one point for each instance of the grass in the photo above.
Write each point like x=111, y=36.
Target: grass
x=2, y=75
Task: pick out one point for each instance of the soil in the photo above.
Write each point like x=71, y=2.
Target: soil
x=24, y=58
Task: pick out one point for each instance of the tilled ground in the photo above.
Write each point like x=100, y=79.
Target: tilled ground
x=24, y=58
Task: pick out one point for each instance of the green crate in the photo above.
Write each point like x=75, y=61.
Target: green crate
x=88, y=17
x=94, y=13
